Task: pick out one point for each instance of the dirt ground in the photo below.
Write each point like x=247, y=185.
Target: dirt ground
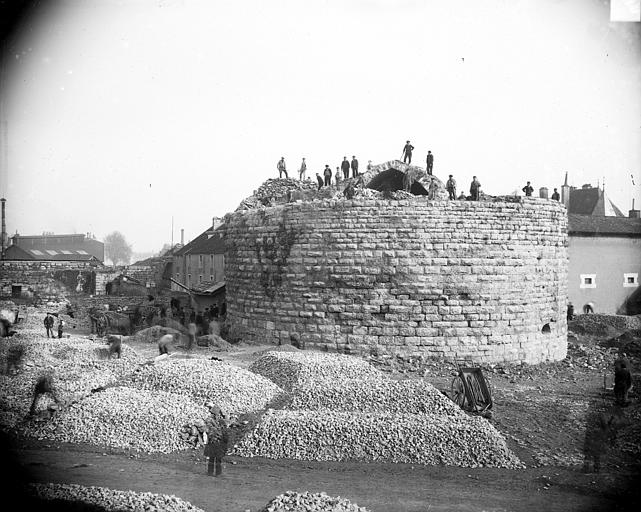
x=544, y=411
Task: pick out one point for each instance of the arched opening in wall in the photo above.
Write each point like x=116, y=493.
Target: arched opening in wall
x=546, y=329
x=392, y=180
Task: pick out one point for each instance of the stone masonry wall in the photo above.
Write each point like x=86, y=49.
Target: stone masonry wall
x=481, y=281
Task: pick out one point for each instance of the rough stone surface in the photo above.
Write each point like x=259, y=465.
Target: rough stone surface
x=485, y=281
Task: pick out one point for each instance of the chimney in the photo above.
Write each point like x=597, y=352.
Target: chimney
x=215, y=222
x=543, y=193
x=565, y=192
x=633, y=214
x=182, y=237
x=3, y=235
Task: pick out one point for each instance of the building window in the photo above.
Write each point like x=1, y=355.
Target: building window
x=16, y=291
x=211, y=277
x=630, y=280
x=588, y=281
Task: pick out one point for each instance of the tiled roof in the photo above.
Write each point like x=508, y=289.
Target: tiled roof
x=15, y=252
x=208, y=242
x=208, y=288
x=595, y=225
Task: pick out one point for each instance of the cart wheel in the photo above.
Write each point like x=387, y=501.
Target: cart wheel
x=458, y=391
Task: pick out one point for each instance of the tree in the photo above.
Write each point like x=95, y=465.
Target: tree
x=117, y=249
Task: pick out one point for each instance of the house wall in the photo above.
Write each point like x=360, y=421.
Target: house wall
x=485, y=281
x=608, y=258
x=192, y=269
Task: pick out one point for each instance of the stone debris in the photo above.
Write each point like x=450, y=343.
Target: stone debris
x=109, y=500
x=275, y=189
x=374, y=395
x=290, y=370
x=121, y=417
x=234, y=390
x=427, y=439
x=310, y=502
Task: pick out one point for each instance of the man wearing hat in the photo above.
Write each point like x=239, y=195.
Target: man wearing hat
x=450, y=186
x=217, y=439
x=281, y=167
x=407, y=153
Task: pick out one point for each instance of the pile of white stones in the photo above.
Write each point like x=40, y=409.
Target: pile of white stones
x=428, y=439
x=121, y=417
x=108, y=499
x=233, y=389
x=290, y=370
x=310, y=502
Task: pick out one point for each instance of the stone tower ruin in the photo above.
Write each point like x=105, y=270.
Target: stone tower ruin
x=483, y=281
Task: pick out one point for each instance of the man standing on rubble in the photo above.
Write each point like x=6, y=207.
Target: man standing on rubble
x=475, y=189
x=327, y=173
x=450, y=186
x=281, y=167
x=217, y=439
x=528, y=189
x=319, y=180
x=61, y=324
x=407, y=153
x=354, y=167
x=430, y=162
x=345, y=167
x=49, y=325
x=302, y=170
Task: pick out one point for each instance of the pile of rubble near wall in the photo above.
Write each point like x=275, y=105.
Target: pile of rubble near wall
x=329, y=429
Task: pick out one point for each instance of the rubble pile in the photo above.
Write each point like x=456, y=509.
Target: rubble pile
x=310, y=502
x=234, y=390
x=272, y=189
x=152, y=334
x=121, y=417
x=290, y=370
x=427, y=439
x=109, y=500
x=374, y=395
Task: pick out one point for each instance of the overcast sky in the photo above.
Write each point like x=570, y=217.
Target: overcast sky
x=121, y=114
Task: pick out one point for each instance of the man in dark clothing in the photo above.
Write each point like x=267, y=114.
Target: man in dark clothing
x=475, y=188
x=49, y=325
x=430, y=162
x=61, y=324
x=217, y=440
x=349, y=191
x=528, y=189
x=345, y=167
x=327, y=173
x=450, y=186
x=199, y=319
x=281, y=167
x=320, y=181
x=556, y=196
x=354, y=167
x=407, y=152
x=214, y=311
x=44, y=385
x=622, y=381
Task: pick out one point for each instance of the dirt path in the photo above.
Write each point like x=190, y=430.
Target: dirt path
x=247, y=484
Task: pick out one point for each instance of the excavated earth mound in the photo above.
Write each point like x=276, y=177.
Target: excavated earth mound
x=310, y=501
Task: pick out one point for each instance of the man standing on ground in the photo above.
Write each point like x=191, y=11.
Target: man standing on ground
x=302, y=170
x=528, y=190
x=61, y=324
x=354, y=167
x=217, y=441
x=475, y=189
x=407, y=152
x=430, y=162
x=281, y=167
x=450, y=186
x=327, y=173
x=345, y=167
x=555, y=195
x=49, y=325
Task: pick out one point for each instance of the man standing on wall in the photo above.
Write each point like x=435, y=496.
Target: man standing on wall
x=345, y=167
x=555, y=195
x=302, y=170
x=354, y=167
x=407, y=152
x=528, y=190
x=430, y=162
x=475, y=188
x=320, y=180
x=337, y=177
x=451, y=187
x=327, y=173
x=281, y=167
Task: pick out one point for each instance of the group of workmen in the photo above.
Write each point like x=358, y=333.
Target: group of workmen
x=342, y=172
x=49, y=323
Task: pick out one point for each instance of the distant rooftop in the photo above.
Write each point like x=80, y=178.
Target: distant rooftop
x=600, y=225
